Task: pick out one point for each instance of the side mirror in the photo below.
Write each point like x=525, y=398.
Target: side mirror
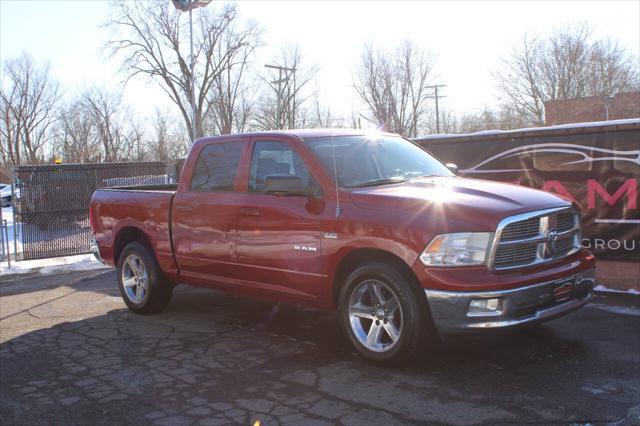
x=453, y=167
x=284, y=185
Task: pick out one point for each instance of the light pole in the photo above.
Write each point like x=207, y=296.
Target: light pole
x=184, y=6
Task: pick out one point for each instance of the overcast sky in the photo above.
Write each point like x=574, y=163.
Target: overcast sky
x=468, y=39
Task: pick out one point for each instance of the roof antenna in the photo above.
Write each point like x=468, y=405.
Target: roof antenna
x=335, y=175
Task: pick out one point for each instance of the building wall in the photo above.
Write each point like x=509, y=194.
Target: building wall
x=592, y=108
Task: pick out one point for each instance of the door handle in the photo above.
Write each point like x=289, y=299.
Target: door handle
x=184, y=208
x=249, y=212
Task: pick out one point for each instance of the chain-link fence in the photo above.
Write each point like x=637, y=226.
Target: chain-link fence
x=51, y=203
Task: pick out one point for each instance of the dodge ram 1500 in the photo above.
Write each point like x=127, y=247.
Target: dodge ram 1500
x=369, y=224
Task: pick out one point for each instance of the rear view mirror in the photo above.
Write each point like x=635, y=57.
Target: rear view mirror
x=453, y=167
x=285, y=185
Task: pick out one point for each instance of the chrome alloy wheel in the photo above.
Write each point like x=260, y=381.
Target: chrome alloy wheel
x=375, y=315
x=135, y=279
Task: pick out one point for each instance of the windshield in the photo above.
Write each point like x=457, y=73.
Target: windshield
x=368, y=161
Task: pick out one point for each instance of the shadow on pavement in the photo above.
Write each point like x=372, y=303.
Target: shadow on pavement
x=16, y=284
x=212, y=358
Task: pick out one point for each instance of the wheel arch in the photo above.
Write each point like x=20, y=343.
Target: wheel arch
x=360, y=256
x=125, y=236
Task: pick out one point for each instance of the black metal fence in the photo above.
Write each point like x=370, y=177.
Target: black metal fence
x=51, y=202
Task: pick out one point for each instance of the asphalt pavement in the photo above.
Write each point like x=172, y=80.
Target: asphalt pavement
x=71, y=353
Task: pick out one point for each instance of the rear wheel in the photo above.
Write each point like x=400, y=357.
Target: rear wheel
x=143, y=287
x=381, y=314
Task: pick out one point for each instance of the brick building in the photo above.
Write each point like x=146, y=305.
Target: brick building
x=592, y=108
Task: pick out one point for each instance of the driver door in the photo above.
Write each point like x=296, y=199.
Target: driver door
x=279, y=241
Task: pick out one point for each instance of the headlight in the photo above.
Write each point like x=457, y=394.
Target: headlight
x=462, y=249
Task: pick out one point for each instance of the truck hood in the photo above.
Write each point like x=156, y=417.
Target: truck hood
x=455, y=203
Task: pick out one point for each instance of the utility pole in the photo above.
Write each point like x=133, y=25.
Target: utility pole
x=279, y=91
x=437, y=97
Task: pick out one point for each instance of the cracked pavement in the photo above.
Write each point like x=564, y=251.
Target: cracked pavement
x=71, y=353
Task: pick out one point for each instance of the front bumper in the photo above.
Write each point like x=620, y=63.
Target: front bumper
x=95, y=251
x=534, y=303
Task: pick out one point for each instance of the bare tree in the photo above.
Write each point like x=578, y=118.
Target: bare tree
x=281, y=106
x=9, y=128
x=167, y=143
x=28, y=106
x=136, y=140
x=229, y=99
x=394, y=87
x=108, y=120
x=568, y=64
x=76, y=139
x=321, y=116
x=154, y=45
x=448, y=122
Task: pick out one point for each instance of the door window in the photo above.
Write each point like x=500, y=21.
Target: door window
x=217, y=167
x=278, y=158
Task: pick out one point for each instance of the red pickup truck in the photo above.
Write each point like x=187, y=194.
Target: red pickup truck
x=369, y=224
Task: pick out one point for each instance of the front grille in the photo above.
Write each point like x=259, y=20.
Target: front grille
x=522, y=229
x=506, y=256
x=565, y=220
x=564, y=246
x=536, y=237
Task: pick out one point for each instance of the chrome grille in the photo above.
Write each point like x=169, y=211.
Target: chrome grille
x=565, y=220
x=564, y=246
x=522, y=229
x=536, y=237
x=506, y=256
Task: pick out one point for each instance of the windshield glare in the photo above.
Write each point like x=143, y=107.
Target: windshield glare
x=363, y=161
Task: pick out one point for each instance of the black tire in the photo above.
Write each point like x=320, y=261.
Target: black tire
x=159, y=290
x=416, y=325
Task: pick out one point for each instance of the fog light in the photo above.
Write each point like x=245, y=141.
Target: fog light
x=485, y=307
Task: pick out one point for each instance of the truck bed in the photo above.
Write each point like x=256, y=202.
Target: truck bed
x=118, y=210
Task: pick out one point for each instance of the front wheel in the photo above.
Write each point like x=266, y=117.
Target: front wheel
x=143, y=286
x=381, y=314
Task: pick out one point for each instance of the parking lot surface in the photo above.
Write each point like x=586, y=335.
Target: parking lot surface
x=70, y=353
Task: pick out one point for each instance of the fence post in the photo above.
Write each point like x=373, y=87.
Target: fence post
x=13, y=211
x=3, y=225
x=5, y=245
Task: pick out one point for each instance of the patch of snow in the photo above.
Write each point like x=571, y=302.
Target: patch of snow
x=7, y=214
x=602, y=288
x=82, y=262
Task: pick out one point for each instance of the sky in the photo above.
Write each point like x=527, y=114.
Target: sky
x=467, y=38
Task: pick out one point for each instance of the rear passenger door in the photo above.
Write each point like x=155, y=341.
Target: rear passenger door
x=205, y=212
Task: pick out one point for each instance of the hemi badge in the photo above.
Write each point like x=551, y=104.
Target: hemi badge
x=331, y=235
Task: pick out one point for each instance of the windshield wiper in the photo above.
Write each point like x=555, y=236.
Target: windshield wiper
x=376, y=182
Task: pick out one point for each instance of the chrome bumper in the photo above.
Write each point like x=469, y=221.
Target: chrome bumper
x=95, y=251
x=535, y=303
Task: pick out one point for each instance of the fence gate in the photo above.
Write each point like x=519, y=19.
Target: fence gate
x=52, y=202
